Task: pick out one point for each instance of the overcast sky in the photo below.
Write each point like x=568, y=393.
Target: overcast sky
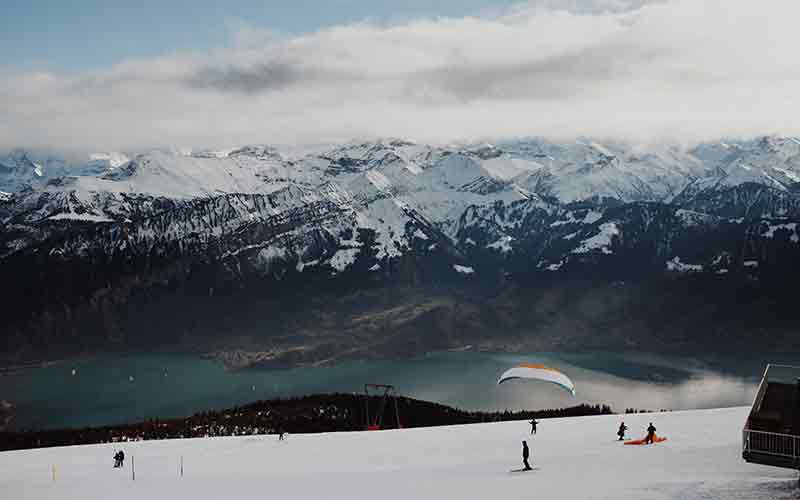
x=106, y=76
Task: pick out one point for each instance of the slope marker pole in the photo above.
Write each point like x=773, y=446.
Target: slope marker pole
x=133, y=468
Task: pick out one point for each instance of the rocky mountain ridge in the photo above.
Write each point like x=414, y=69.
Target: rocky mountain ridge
x=388, y=247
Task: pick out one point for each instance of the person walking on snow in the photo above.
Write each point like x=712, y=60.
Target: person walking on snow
x=525, y=455
x=621, y=431
x=533, y=426
x=651, y=434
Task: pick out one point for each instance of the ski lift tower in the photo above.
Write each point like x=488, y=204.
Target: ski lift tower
x=771, y=435
x=387, y=394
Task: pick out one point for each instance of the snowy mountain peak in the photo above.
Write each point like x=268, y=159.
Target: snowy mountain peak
x=112, y=160
x=440, y=182
x=20, y=169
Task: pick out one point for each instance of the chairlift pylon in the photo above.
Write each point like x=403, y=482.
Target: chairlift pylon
x=375, y=422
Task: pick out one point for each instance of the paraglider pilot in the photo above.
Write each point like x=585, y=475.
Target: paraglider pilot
x=651, y=434
x=525, y=455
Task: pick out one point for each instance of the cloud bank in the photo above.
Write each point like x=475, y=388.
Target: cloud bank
x=674, y=70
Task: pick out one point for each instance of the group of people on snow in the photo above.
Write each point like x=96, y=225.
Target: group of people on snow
x=119, y=458
x=649, y=439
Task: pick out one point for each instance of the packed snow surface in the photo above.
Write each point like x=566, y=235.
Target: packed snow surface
x=575, y=458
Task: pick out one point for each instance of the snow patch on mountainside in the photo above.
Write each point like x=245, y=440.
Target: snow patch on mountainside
x=555, y=267
x=268, y=256
x=387, y=218
x=80, y=217
x=590, y=217
x=463, y=269
x=413, y=168
x=503, y=244
x=343, y=258
x=676, y=265
x=790, y=227
x=419, y=233
x=302, y=265
x=793, y=176
x=601, y=241
x=505, y=168
x=379, y=180
x=602, y=149
x=691, y=218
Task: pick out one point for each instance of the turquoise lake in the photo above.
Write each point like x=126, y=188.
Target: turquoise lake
x=120, y=389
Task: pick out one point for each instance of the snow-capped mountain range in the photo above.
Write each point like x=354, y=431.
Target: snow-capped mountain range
x=83, y=241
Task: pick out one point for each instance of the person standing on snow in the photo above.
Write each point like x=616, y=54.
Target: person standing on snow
x=525, y=455
x=621, y=431
x=533, y=426
x=651, y=434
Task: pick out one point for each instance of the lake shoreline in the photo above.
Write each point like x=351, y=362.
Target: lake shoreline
x=119, y=388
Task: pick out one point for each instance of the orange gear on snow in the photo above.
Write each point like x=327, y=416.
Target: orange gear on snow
x=656, y=439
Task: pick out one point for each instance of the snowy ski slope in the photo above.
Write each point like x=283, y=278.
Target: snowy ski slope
x=576, y=458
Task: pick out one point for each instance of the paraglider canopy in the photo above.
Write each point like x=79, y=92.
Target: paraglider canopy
x=538, y=372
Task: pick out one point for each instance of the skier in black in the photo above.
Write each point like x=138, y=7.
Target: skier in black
x=651, y=434
x=533, y=426
x=621, y=431
x=121, y=458
x=116, y=459
x=525, y=455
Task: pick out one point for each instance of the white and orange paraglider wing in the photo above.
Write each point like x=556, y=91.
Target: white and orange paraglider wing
x=538, y=372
